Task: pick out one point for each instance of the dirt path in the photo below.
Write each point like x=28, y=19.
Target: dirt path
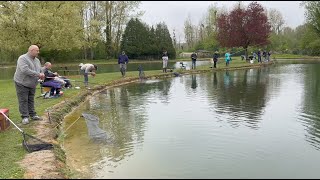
x=43, y=164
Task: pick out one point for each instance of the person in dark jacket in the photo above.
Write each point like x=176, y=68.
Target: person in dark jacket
x=259, y=56
x=194, y=59
x=50, y=81
x=123, y=60
x=215, y=59
x=264, y=54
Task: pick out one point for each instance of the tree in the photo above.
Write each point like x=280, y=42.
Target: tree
x=189, y=32
x=164, y=40
x=116, y=15
x=243, y=27
x=201, y=36
x=276, y=20
x=134, y=38
x=140, y=41
x=92, y=25
x=310, y=42
x=152, y=44
x=313, y=14
x=49, y=24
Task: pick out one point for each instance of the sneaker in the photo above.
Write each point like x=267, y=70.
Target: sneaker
x=25, y=121
x=54, y=96
x=36, y=118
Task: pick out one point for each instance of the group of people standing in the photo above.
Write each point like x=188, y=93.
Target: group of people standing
x=266, y=55
x=29, y=73
x=215, y=58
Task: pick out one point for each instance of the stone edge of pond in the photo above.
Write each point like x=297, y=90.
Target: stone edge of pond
x=59, y=169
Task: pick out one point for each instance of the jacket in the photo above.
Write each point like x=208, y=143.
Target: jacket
x=27, y=71
x=123, y=59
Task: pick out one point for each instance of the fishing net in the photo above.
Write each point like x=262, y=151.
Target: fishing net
x=94, y=131
x=32, y=144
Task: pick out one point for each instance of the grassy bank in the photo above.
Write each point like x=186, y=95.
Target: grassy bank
x=103, y=61
x=10, y=141
x=115, y=61
x=292, y=56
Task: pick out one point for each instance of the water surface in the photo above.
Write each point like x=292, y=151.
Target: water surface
x=255, y=123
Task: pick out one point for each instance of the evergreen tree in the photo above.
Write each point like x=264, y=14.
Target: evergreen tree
x=141, y=42
x=164, y=40
x=134, y=39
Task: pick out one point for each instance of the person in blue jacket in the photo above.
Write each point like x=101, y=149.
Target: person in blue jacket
x=227, y=58
x=123, y=60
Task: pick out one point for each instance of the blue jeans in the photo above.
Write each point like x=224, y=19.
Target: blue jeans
x=86, y=79
x=193, y=64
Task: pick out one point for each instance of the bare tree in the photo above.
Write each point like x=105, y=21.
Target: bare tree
x=189, y=32
x=276, y=20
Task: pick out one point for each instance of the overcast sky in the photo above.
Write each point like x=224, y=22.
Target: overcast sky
x=174, y=13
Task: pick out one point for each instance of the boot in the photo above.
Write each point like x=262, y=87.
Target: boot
x=165, y=70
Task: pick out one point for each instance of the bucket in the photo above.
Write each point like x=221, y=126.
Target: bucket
x=4, y=122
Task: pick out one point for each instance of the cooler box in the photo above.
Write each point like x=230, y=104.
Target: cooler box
x=4, y=122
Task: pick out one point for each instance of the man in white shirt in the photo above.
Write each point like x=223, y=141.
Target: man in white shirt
x=88, y=69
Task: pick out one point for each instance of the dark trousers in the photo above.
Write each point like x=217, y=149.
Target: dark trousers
x=259, y=58
x=193, y=64
x=55, y=86
x=215, y=64
x=26, y=100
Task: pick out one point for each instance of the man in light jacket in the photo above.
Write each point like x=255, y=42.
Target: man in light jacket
x=28, y=72
x=88, y=69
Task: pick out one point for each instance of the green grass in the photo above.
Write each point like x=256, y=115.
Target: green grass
x=103, y=61
x=11, y=150
x=291, y=56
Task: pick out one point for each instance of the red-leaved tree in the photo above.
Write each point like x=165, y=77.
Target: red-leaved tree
x=244, y=27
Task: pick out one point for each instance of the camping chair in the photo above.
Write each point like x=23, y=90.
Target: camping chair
x=45, y=90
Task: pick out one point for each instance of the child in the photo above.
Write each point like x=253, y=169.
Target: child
x=141, y=73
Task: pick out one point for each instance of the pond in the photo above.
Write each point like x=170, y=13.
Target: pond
x=254, y=123
x=8, y=72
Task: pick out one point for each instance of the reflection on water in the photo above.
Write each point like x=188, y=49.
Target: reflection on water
x=233, y=124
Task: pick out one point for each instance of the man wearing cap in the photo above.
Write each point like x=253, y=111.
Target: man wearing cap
x=123, y=60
